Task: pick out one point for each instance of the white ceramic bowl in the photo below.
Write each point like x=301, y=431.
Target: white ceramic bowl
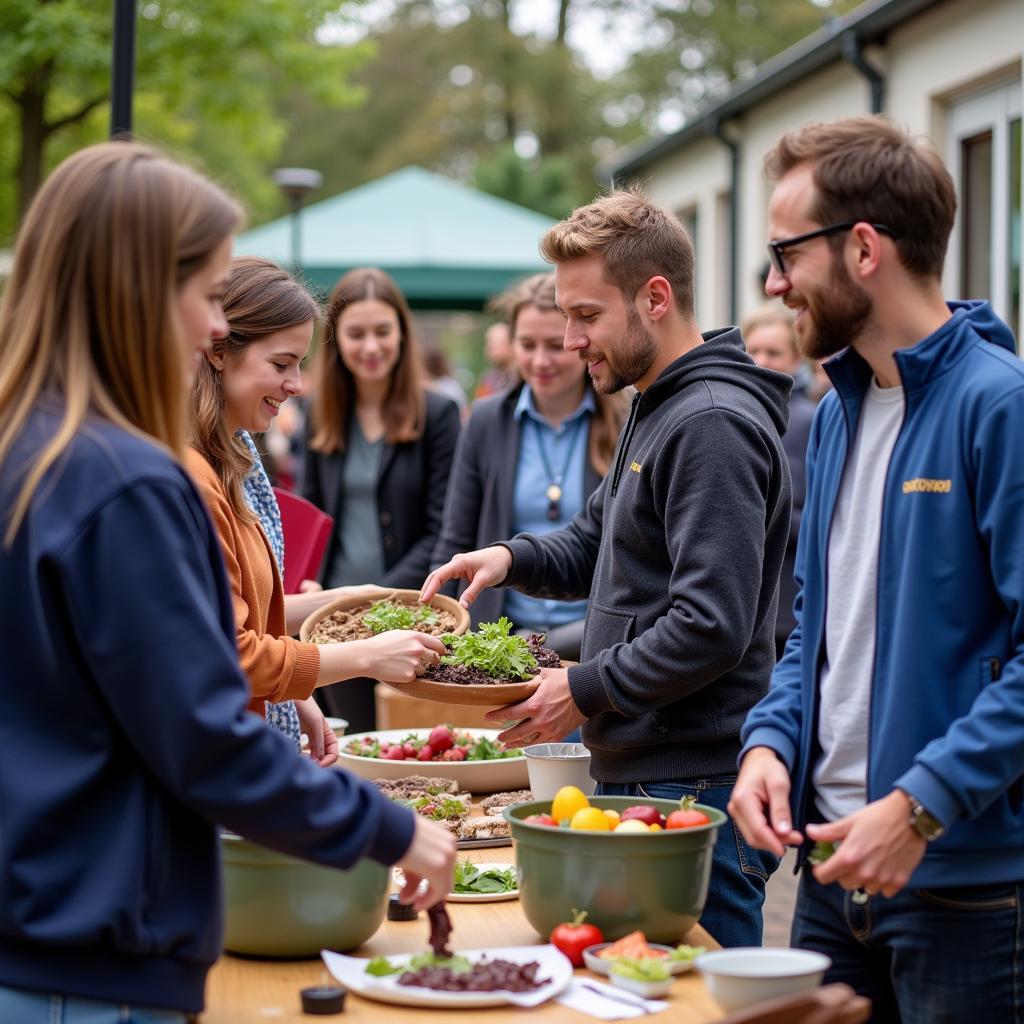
x=741, y=977
x=472, y=776
x=553, y=765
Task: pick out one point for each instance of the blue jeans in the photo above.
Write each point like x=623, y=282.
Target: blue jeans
x=732, y=914
x=18, y=1006
x=925, y=956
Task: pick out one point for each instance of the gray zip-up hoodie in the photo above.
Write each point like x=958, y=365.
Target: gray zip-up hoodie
x=679, y=551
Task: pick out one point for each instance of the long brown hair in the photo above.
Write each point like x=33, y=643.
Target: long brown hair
x=89, y=314
x=405, y=402
x=538, y=291
x=261, y=299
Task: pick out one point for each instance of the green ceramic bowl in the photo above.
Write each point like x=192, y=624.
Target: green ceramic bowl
x=656, y=883
x=278, y=906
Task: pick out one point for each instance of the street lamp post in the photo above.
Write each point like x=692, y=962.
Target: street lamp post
x=295, y=183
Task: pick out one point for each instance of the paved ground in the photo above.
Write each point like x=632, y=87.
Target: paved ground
x=778, y=907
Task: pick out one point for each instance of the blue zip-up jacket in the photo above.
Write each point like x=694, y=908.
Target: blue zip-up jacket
x=947, y=697
x=124, y=733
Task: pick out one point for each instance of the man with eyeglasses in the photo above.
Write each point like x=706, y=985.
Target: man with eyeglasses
x=893, y=733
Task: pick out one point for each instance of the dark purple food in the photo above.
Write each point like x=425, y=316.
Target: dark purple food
x=485, y=976
x=467, y=675
x=440, y=929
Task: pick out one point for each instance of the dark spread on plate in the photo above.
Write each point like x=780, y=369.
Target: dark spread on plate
x=485, y=976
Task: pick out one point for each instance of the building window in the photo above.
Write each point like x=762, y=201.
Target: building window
x=984, y=155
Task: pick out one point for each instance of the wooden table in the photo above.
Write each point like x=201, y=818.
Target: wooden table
x=251, y=991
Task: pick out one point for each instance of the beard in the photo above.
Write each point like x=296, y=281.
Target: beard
x=836, y=318
x=633, y=358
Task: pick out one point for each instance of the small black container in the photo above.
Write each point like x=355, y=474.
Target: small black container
x=398, y=911
x=323, y=1000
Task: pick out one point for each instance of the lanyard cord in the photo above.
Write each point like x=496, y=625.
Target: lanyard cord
x=554, y=489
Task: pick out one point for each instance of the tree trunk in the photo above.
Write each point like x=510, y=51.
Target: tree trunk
x=508, y=70
x=32, y=108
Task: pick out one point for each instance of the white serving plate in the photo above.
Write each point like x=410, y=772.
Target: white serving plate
x=472, y=776
x=350, y=971
x=469, y=897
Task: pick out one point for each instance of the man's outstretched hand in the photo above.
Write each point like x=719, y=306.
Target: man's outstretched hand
x=483, y=568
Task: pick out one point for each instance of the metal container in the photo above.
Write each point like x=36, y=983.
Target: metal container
x=278, y=906
x=625, y=881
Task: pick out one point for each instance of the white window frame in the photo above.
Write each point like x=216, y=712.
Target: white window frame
x=990, y=110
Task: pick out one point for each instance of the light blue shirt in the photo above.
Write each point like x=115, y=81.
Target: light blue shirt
x=565, y=449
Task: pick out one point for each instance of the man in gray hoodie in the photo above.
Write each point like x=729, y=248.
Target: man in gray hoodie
x=679, y=550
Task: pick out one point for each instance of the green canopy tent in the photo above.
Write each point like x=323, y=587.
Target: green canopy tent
x=448, y=246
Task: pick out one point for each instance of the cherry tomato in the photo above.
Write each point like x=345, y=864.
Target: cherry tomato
x=441, y=738
x=541, y=819
x=686, y=816
x=572, y=937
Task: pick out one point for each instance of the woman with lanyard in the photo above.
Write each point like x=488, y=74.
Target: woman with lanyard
x=378, y=453
x=563, y=436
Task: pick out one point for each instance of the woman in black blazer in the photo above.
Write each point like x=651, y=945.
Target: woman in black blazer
x=378, y=454
x=509, y=465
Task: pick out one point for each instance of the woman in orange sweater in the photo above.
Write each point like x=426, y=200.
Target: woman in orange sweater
x=240, y=385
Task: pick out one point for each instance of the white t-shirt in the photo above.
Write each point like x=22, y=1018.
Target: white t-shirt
x=840, y=775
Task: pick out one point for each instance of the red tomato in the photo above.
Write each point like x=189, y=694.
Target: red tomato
x=686, y=816
x=426, y=753
x=572, y=937
x=541, y=819
x=441, y=738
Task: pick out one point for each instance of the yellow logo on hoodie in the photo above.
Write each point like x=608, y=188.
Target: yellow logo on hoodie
x=636, y=466
x=921, y=485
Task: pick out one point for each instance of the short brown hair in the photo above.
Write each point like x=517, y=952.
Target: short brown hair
x=636, y=239
x=771, y=314
x=869, y=169
x=260, y=300
x=405, y=404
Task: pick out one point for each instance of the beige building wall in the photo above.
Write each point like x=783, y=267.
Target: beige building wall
x=949, y=52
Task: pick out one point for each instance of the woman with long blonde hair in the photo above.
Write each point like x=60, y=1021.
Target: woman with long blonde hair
x=239, y=388
x=125, y=735
x=379, y=450
x=530, y=457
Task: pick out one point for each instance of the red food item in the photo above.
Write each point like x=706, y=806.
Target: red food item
x=426, y=753
x=408, y=750
x=441, y=738
x=645, y=813
x=457, y=754
x=686, y=816
x=572, y=937
x=541, y=819
x=394, y=753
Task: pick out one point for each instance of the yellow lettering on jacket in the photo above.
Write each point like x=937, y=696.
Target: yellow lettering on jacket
x=636, y=466
x=921, y=485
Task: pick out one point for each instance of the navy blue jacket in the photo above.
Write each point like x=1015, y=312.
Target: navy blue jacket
x=947, y=697
x=124, y=734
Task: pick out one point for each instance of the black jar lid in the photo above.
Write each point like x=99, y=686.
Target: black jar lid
x=323, y=999
x=398, y=911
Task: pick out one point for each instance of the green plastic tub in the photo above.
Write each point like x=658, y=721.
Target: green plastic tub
x=278, y=906
x=656, y=883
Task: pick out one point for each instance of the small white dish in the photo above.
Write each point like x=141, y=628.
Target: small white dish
x=467, y=897
x=601, y=965
x=741, y=977
x=647, y=989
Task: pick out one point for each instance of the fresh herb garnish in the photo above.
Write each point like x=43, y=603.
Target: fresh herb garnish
x=821, y=853
x=685, y=953
x=647, y=969
x=385, y=615
x=439, y=808
x=471, y=879
x=455, y=963
x=381, y=966
x=485, y=749
x=493, y=650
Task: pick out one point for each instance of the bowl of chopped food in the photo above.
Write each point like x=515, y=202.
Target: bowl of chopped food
x=472, y=757
x=743, y=976
x=277, y=906
x=634, y=946
x=634, y=864
x=489, y=666
x=367, y=611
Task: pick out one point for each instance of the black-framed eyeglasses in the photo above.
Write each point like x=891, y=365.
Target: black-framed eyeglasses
x=777, y=248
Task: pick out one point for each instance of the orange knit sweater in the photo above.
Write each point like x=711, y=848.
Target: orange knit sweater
x=278, y=666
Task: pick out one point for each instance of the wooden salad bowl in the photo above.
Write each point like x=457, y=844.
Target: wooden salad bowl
x=491, y=695
x=363, y=595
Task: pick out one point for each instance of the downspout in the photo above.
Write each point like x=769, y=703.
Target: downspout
x=715, y=128
x=853, y=52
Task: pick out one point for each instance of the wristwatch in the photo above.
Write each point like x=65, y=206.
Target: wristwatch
x=923, y=822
